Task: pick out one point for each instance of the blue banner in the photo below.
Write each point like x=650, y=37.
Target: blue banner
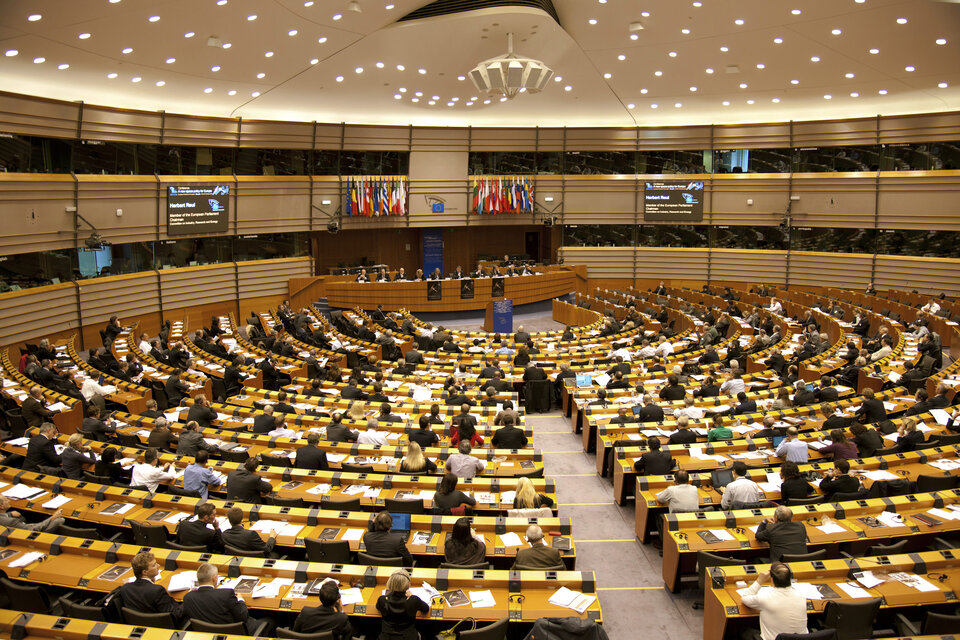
x=432, y=250
x=503, y=316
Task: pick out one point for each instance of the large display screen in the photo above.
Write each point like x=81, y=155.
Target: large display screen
x=673, y=201
x=193, y=209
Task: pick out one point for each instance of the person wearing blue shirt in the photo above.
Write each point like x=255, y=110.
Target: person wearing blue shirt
x=197, y=477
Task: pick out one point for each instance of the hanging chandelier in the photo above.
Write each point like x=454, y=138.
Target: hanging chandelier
x=510, y=74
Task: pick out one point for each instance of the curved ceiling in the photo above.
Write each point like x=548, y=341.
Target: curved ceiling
x=693, y=62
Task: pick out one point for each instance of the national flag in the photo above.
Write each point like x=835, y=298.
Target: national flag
x=384, y=198
x=475, y=203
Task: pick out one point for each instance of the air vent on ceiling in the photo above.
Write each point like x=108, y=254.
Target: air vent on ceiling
x=447, y=7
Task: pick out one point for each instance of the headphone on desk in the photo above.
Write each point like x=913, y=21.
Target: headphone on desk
x=516, y=598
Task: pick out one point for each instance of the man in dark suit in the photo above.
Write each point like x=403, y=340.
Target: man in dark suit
x=245, y=485
x=839, y=480
x=142, y=594
x=683, y=434
x=508, y=436
x=96, y=429
x=382, y=543
x=264, y=422
x=621, y=366
x=339, y=432
x=233, y=377
x=191, y=441
x=498, y=383
x=745, y=405
x=175, y=387
x=208, y=603
x=534, y=372
x=650, y=412
x=42, y=455
x=617, y=382
x=803, y=396
x=281, y=405
x=521, y=336
x=776, y=361
x=328, y=616
x=202, y=530
x=351, y=392
x=491, y=399
x=940, y=399
x=654, y=462
x=201, y=411
x=709, y=356
x=673, y=389
x=455, y=396
x=244, y=539
x=921, y=405
x=872, y=409
x=782, y=534
x=413, y=357
x=539, y=555
x=832, y=420
x=489, y=370
x=33, y=410
x=311, y=456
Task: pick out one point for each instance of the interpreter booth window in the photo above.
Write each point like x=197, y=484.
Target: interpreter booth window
x=598, y=235
x=360, y=163
x=672, y=235
x=918, y=242
x=502, y=162
x=599, y=162
x=106, y=158
x=272, y=162
x=750, y=237
x=836, y=159
x=922, y=156
x=193, y=252
x=671, y=162
x=267, y=246
x=30, y=154
x=130, y=257
x=833, y=239
x=26, y=270
x=753, y=161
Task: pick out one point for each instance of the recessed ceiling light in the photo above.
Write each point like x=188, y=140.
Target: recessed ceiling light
x=322, y=39
x=337, y=16
x=308, y=3
x=220, y=3
x=39, y=60
x=725, y=103
x=170, y=60
x=882, y=92
x=450, y=104
x=422, y=72
x=215, y=68
x=314, y=60
x=677, y=104
x=112, y=75
x=814, y=58
x=292, y=32
x=778, y=41
x=901, y=21
x=358, y=70
x=153, y=18
x=693, y=88
x=208, y=90
x=685, y=31
x=592, y=21
x=796, y=12
x=402, y=89
x=474, y=98
x=654, y=105
x=261, y=75
x=431, y=102
x=854, y=94
x=672, y=54
x=943, y=85
x=645, y=14
x=461, y=78
x=339, y=78
x=828, y=97
x=557, y=78
x=397, y=96
x=379, y=65
x=859, y=1
x=794, y=82
x=252, y=17
x=84, y=36
x=418, y=100
x=608, y=75
x=232, y=92
x=189, y=34
x=160, y=83
x=388, y=7
x=775, y=100
x=836, y=32
x=568, y=88
x=643, y=91
x=724, y=49
x=136, y=79
x=419, y=94
x=751, y=101
x=621, y=57
x=743, y=85
x=910, y=67
x=33, y=17
x=268, y=54
x=400, y=67
x=698, y=4
x=848, y=75
x=126, y=50
x=874, y=51
x=941, y=41
x=760, y=65
x=63, y=66
x=631, y=106
x=255, y=94
x=708, y=70
x=226, y=45
x=658, y=73
x=634, y=36
x=738, y=21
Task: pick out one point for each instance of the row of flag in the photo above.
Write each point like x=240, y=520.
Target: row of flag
x=493, y=195
x=384, y=196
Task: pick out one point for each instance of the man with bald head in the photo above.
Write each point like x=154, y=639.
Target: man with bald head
x=782, y=534
x=539, y=555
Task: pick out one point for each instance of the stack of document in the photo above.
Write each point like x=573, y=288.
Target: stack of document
x=571, y=599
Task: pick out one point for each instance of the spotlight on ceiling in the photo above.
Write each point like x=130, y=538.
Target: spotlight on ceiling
x=509, y=74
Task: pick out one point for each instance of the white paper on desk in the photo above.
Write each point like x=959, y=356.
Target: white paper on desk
x=426, y=494
x=351, y=596
x=510, y=539
x=352, y=534
x=867, y=579
x=808, y=590
x=270, y=589
x=19, y=442
x=56, y=503
x=722, y=534
x=602, y=379
x=943, y=514
x=831, y=527
x=171, y=415
x=767, y=487
x=182, y=581
x=176, y=518
x=478, y=599
x=891, y=519
x=890, y=406
x=23, y=492
x=9, y=383
x=421, y=395
x=941, y=416
x=507, y=496
x=754, y=528
x=59, y=448
x=27, y=558
x=881, y=474
x=913, y=580
x=319, y=489
x=774, y=478
x=372, y=493
x=266, y=526
x=852, y=590
x=57, y=406
x=483, y=497
x=336, y=457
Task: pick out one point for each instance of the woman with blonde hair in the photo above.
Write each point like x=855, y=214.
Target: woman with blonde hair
x=75, y=457
x=415, y=462
x=909, y=438
x=399, y=609
x=355, y=411
x=528, y=498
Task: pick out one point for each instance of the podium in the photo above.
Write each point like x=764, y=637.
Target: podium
x=499, y=317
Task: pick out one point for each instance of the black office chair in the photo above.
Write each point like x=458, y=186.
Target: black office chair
x=284, y=632
x=532, y=473
x=174, y=490
x=706, y=560
x=934, y=624
x=25, y=597
x=141, y=619
x=234, y=456
x=15, y=422
x=341, y=505
x=800, y=501
x=863, y=494
x=819, y=554
x=72, y=609
x=149, y=535
x=887, y=549
x=234, y=551
x=129, y=440
x=538, y=396
x=927, y=483
x=233, y=628
x=452, y=565
x=275, y=461
x=356, y=468
x=556, y=567
x=823, y=634
x=195, y=548
x=90, y=533
x=850, y=619
x=379, y=561
x=403, y=506
x=284, y=502
x=332, y=551
x=493, y=631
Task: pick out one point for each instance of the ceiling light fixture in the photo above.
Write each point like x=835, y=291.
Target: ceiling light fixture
x=882, y=92
x=63, y=66
x=943, y=85
x=507, y=74
x=189, y=34
x=34, y=17
x=215, y=68
x=874, y=51
x=84, y=36
x=778, y=41
x=654, y=105
x=136, y=79
x=322, y=39
x=10, y=53
x=941, y=41
x=901, y=21
x=292, y=32
x=854, y=94
x=160, y=83
x=112, y=75
x=39, y=60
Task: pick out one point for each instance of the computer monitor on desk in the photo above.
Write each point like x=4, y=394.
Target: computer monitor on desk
x=721, y=477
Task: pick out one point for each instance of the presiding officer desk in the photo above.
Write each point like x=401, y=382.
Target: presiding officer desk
x=733, y=532
x=105, y=505
x=78, y=563
x=725, y=615
x=547, y=282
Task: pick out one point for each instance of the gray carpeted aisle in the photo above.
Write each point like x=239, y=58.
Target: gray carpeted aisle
x=628, y=573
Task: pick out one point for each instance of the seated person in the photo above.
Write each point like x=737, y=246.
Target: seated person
x=202, y=530
x=538, y=555
x=108, y=467
x=526, y=496
x=462, y=547
x=216, y=605
x=329, y=616
x=680, y=497
x=245, y=539
x=142, y=594
x=742, y=491
x=909, y=437
x=782, y=534
x=415, y=461
x=448, y=497
x=838, y=480
x=840, y=448
x=793, y=487
x=654, y=462
x=382, y=543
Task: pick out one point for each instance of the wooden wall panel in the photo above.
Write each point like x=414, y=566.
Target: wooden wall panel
x=919, y=200
x=606, y=138
x=33, y=210
x=438, y=139
x=834, y=200
x=101, y=196
x=503, y=139
x=102, y=123
x=920, y=128
x=819, y=133
x=692, y=137
x=672, y=264
x=395, y=247
x=748, y=266
x=101, y=298
x=31, y=116
x=726, y=201
x=264, y=278
x=277, y=205
x=602, y=262
x=186, y=286
x=268, y=134
x=378, y=137
x=614, y=200
x=200, y=131
x=847, y=270
x=927, y=275
x=752, y=136
x=33, y=313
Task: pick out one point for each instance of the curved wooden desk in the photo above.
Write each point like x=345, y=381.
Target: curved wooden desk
x=547, y=283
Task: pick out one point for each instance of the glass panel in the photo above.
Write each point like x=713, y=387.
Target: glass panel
x=15, y=152
x=108, y=158
x=599, y=162
x=549, y=162
x=742, y=237
x=835, y=240
x=190, y=252
x=667, y=235
x=753, y=160
x=272, y=162
x=502, y=162
x=940, y=244
x=598, y=235
x=820, y=159
x=670, y=162
x=265, y=246
x=922, y=156
x=36, y=269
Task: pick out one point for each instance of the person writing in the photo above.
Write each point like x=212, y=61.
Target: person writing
x=329, y=616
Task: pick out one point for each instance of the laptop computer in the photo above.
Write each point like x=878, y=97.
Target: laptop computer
x=721, y=477
x=637, y=408
x=584, y=380
x=777, y=440
x=401, y=524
